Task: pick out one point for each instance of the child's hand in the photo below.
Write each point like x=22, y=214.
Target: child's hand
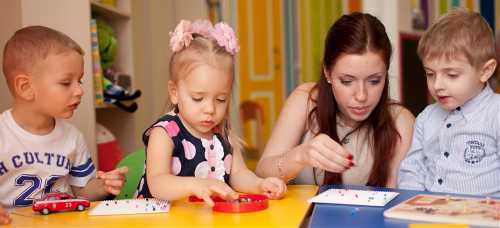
x=4, y=217
x=272, y=187
x=204, y=188
x=113, y=180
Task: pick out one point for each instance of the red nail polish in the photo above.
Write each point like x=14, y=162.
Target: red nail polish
x=350, y=157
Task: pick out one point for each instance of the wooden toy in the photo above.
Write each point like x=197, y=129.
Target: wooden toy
x=448, y=209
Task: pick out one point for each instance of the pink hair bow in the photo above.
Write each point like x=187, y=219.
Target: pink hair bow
x=222, y=33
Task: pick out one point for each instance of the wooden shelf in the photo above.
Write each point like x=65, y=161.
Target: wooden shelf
x=105, y=105
x=108, y=10
x=119, y=18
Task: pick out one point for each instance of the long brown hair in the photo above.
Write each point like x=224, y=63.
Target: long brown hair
x=357, y=33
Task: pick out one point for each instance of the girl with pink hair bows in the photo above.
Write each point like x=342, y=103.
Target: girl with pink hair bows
x=192, y=150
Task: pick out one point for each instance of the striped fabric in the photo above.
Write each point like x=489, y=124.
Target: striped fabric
x=457, y=151
x=82, y=170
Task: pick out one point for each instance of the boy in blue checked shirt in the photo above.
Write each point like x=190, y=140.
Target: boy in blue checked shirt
x=456, y=141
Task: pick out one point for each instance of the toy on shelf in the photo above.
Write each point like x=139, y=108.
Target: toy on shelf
x=59, y=201
x=96, y=64
x=244, y=203
x=108, y=44
x=115, y=94
x=116, y=85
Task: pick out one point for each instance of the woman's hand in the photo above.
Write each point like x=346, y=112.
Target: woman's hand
x=204, y=188
x=272, y=187
x=324, y=153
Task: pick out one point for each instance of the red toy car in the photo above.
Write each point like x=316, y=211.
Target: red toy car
x=59, y=201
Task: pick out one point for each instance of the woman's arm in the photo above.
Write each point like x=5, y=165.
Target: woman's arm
x=404, y=121
x=285, y=138
x=285, y=156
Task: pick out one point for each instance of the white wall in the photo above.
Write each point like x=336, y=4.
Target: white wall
x=152, y=22
x=387, y=12
x=10, y=21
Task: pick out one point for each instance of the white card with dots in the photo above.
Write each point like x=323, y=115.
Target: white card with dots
x=130, y=206
x=354, y=197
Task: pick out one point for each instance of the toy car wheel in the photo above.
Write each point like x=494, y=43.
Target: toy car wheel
x=45, y=211
x=80, y=207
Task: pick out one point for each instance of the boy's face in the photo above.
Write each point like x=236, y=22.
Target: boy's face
x=57, y=84
x=452, y=82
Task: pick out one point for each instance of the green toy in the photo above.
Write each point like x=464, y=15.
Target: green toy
x=107, y=43
x=135, y=164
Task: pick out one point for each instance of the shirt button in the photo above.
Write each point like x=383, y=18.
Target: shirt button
x=440, y=181
x=446, y=154
x=211, y=146
x=448, y=125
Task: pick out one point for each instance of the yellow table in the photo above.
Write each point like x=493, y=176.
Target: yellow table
x=287, y=212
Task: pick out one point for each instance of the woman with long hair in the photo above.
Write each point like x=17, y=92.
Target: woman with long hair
x=343, y=129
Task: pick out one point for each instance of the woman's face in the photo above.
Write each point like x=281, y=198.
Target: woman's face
x=357, y=83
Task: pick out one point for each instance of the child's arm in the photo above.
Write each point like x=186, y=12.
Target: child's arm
x=413, y=171
x=82, y=171
x=244, y=180
x=163, y=185
x=105, y=183
x=404, y=122
x=4, y=217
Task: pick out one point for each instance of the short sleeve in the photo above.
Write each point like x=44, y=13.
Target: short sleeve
x=82, y=169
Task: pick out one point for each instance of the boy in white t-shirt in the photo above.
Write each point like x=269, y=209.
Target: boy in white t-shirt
x=39, y=152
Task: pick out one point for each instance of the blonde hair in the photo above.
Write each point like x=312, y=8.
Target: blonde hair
x=200, y=51
x=206, y=51
x=30, y=45
x=459, y=32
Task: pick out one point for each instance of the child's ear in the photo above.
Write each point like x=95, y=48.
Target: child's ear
x=488, y=70
x=23, y=87
x=172, y=92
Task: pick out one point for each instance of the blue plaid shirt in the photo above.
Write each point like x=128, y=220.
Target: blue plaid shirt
x=456, y=151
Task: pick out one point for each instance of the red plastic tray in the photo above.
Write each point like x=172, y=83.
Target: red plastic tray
x=256, y=202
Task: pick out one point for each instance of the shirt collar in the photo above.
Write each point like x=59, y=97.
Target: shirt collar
x=474, y=104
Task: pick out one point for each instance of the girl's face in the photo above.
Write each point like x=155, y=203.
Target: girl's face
x=357, y=83
x=202, y=97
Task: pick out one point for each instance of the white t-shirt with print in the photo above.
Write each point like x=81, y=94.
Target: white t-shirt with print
x=32, y=165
